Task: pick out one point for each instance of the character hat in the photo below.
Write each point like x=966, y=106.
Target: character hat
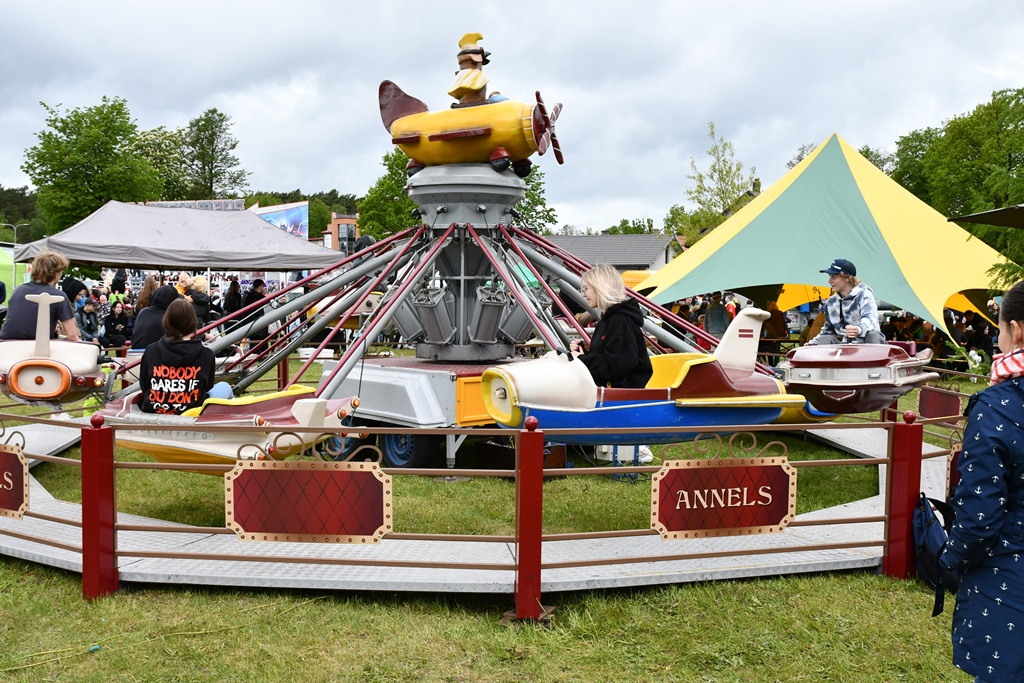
x=840, y=265
x=469, y=46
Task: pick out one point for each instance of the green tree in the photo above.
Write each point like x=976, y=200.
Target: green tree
x=386, y=208
x=679, y=222
x=164, y=150
x=209, y=156
x=721, y=190
x=533, y=208
x=801, y=154
x=908, y=163
x=637, y=226
x=293, y=196
x=319, y=217
x=341, y=204
x=572, y=230
x=17, y=205
x=263, y=199
x=85, y=158
x=974, y=163
x=880, y=158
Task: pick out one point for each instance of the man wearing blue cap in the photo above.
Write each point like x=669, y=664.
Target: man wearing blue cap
x=851, y=314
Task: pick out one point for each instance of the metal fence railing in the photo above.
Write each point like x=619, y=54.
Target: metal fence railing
x=104, y=540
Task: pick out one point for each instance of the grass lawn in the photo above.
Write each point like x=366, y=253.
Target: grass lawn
x=845, y=627
x=853, y=626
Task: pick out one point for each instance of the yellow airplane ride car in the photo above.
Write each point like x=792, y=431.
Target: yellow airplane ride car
x=498, y=130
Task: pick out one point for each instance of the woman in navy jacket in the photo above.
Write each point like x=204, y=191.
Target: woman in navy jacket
x=986, y=546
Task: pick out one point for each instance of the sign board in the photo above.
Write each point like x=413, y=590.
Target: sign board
x=293, y=218
x=723, y=497
x=933, y=402
x=13, y=482
x=309, y=502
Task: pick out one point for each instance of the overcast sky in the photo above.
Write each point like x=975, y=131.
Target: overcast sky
x=639, y=81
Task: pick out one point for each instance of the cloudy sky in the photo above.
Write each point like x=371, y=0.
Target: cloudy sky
x=639, y=81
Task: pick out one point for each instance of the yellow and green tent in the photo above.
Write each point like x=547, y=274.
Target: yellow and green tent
x=835, y=204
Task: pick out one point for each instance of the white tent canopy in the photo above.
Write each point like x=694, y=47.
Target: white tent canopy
x=135, y=236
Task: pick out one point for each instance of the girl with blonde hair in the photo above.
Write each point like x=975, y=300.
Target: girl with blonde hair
x=617, y=356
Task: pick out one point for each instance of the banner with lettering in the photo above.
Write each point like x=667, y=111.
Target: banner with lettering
x=723, y=497
x=13, y=482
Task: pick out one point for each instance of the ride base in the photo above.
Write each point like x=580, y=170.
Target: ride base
x=743, y=556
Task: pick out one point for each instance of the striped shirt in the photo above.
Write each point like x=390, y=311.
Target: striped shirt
x=1007, y=366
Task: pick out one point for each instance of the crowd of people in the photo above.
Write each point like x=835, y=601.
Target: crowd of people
x=160, y=322
x=108, y=314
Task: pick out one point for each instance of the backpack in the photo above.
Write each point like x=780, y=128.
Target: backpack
x=930, y=535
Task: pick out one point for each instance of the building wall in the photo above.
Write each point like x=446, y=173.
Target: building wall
x=335, y=228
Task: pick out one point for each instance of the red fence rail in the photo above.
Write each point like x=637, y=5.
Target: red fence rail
x=99, y=512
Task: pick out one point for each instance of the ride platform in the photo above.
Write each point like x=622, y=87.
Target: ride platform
x=743, y=556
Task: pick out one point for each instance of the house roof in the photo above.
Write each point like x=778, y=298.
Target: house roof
x=624, y=252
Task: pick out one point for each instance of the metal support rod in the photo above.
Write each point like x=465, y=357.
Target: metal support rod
x=341, y=280
x=667, y=338
x=348, y=305
x=360, y=266
x=569, y=278
x=577, y=264
x=302, y=300
x=580, y=265
x=543, y=283
x=499, y=268
x=564, y=274
x=385, y=313
x=283, y=352
x=282, y=348
x=519, y=284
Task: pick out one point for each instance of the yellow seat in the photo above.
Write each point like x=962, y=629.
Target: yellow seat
x=670, y=368
x=248, y=399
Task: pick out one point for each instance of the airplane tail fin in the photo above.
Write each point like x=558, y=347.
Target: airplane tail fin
x=738, y=348
x=395, y=104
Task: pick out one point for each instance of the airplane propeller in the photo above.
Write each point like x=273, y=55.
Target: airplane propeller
x=544, y=128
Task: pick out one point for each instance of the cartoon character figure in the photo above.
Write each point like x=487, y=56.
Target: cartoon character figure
x=477, y=129
x=470, y=83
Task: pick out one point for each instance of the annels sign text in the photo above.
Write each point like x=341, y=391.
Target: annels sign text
x=723, y=497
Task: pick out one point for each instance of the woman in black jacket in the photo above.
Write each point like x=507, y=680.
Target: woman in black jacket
x=199, y=294
x=149, y=321
x=617, y=356
x=118, y=325
x=177, y=371
x=233, y=298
